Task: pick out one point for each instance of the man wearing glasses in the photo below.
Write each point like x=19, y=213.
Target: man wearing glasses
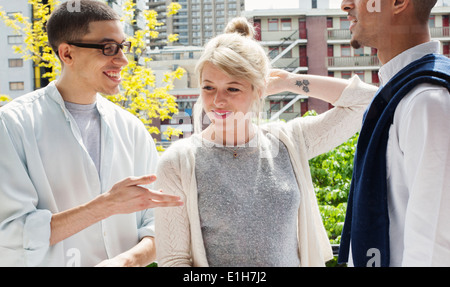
x=75, y=169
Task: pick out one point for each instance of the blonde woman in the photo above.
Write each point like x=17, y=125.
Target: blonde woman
x=247, y=188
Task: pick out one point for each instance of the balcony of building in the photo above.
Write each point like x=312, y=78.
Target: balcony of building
x=338, y=35
x=271, y=38
x=294, y=65
x=440, y=33
x=357, y=62
x=344, y=35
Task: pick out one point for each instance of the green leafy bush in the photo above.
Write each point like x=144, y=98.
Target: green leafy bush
x=332, y=174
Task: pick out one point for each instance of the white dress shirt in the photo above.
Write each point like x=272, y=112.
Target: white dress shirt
x=418, y=169
x=45, y=168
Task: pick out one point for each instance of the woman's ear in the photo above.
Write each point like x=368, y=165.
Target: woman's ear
x=260, y=94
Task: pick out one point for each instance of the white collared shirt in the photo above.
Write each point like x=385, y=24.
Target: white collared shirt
x=418, y=170
x=45, y=168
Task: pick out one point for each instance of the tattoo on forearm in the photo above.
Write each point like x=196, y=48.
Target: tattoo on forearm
x=303, y=84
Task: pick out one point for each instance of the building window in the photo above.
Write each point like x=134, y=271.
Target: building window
x=15, y=39
x=16, y=86
x=432, y=22
x=273, y=24
x=329, y=23
x=346, y=51
x=273, y=51
x=375, y=78
x=286, y=24
x=15, y=63
x=359, y=52
x=360, y=74
x=288, y=53
x=12, y=15
x=274, y=106
x=314, y=4
x=290, y=109
x=346, y=75
x=446, y=49
x=345, y=24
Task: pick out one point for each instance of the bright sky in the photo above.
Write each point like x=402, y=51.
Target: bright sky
x=280, y=4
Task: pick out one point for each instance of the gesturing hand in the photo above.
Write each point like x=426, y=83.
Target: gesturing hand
x=130, y=195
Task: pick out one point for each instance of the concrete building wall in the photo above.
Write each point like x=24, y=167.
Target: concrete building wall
x=16, y=74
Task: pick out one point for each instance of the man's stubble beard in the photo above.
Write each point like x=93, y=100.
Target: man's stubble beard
x=355, y=44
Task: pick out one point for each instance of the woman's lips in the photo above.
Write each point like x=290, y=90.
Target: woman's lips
x=221, y=114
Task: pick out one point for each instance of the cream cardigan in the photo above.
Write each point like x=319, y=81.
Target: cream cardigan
x=179, y=240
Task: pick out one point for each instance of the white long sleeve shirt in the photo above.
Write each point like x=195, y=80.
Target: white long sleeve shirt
x=45, y=168
x=418, y=170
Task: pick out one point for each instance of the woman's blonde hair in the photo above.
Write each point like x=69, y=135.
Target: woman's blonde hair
x=238, y=55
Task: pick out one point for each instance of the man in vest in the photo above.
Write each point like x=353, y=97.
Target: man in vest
x=399, y=203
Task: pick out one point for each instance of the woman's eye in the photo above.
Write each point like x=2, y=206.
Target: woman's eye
x=208, y=88
x=233, y=90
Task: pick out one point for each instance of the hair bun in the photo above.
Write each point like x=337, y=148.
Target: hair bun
x=241, y=26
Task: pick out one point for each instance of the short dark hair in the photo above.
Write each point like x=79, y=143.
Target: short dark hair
x=423, y=9
x=70, y=20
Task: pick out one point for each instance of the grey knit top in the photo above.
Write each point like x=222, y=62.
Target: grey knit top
x=248, y=203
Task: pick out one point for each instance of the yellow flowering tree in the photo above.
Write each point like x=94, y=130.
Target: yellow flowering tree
x=35, y=38
x=4, y=99
x=147, y=100
x=140, y=94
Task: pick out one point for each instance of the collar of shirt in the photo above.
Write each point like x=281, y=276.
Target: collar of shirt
x=56, y=96
x=391, y=68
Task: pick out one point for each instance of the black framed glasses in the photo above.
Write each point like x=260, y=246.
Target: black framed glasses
x=108, y=49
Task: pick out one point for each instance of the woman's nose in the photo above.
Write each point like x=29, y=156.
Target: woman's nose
x=220, y=98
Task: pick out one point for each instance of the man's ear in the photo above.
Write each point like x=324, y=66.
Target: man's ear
x=401, y=5
x=65, y=53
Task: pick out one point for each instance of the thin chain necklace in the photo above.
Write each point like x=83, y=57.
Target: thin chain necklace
x=235, y=153
x=233, y=149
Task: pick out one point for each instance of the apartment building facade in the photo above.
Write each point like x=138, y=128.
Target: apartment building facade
x=196, y=21
x=317, y=41
x=305, y=41
x=16, y=74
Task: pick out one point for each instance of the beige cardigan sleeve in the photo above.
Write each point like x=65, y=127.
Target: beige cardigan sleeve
x=330, y=129
x=172, y=223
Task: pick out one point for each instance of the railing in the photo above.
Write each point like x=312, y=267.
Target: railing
x=338, y=34
x=440, y=32
x=345, y=34
x=360, y=61
x=283, y=35
x=291, y=64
